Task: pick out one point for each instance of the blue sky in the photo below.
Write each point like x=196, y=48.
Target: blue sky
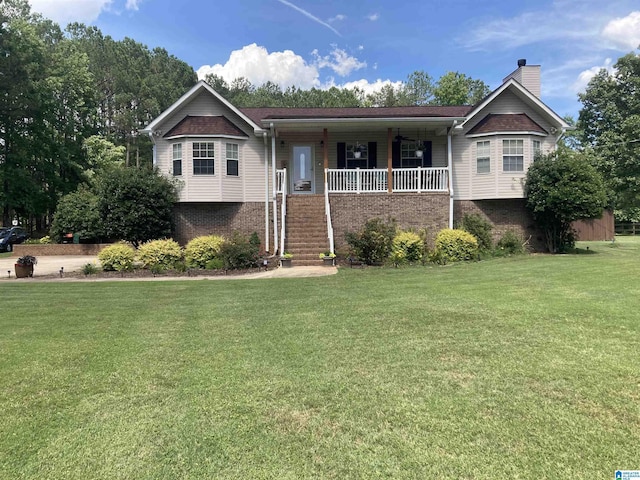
x=311, y=43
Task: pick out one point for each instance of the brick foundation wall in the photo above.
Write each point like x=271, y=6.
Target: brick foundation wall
x=426, y=210
x=508, y=214
x=195, y=219
x=58, y=249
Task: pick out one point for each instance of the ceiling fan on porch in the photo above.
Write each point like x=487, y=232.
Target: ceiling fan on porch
x=402, y=138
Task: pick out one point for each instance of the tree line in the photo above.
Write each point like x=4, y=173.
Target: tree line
x=453, y=88
x=58, y=89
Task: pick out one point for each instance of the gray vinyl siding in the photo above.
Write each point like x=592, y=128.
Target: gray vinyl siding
x=468, y=184
x=248, y=186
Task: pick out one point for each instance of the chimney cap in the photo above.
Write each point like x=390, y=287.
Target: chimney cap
x=522, y=62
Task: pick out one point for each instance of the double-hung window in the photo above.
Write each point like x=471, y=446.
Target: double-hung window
x=357, y=155
x=232, y=159
x=408, y=156
x=203, y=158
x=177, y=159
x=512, y=156
x=483, y=157
x=536, y=149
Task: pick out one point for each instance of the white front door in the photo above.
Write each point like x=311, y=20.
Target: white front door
x=302, y=169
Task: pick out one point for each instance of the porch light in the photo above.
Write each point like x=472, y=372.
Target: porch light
x=419, y=152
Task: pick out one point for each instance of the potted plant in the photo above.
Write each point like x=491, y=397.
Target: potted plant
x=328, y=258
x=285, y=260
x=24, y=266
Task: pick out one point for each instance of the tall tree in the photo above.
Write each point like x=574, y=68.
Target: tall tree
x=45, y=110
x=455, y=88
x=133, y=84
x=610, y=122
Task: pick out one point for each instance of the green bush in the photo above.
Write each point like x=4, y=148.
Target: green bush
x=89, y=269
x=480, y=228
x=201, y=250
x=46, y=240
x=215, y=264
x=454, y=245
x=373, y=243
x=160, y=253
x=407, y=247
x=510, y=244
x=118, y=257
x=239, y=253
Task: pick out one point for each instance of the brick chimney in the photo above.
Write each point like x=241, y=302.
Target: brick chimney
x=526, y=75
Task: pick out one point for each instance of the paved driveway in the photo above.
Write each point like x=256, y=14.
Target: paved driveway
x=48, y=265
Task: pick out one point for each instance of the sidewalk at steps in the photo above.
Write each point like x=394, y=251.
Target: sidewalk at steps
x=48, y=268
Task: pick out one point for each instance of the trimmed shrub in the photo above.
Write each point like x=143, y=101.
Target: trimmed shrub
x=160, y=253
x=118, y=257
x=480, y=228
x=407, y=247
x=201, y=250
x=455, y=245
x=239, y=253
x=373, y=243
x=510, y=244
x=89, y=269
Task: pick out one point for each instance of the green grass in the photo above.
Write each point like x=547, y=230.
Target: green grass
x=525, y=367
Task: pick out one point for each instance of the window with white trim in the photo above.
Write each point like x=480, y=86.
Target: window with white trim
x=203, y=158
x=232, y=159
x=177, y=159
x=483, y=157
x=536, y=149
x=408, y=156
x=513, y=156
x=357, y=155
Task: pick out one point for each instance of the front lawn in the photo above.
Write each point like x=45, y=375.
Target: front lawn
x=525, y=367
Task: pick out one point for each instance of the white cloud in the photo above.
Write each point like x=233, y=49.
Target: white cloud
x=259, y=66
x=64, y=12
x=370, y=87
x=624, y=31
x=287, y=69
x=132, y=4
x=339, y=61
x=373, y=16
x=338, y=18
x=585, y=76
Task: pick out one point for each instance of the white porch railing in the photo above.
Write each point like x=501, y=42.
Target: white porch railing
x=420, y=180
x=355, y=180
x=375, y=180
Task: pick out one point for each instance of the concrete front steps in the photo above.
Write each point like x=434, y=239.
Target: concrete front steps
x=306, y=227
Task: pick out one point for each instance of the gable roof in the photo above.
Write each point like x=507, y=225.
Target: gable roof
x=526, y=96
x=506, y=122
x=195, y=90
x=205, y=125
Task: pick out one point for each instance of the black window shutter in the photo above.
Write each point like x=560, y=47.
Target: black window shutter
x=427, y=159
x=395, y=155
x=373, y=154
x=342, y=155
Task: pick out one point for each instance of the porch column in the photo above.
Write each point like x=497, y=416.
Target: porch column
x=389, y=160
x=325, y=152
x=450, y=174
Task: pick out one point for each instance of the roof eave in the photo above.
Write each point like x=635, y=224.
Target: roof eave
x=527, y=94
